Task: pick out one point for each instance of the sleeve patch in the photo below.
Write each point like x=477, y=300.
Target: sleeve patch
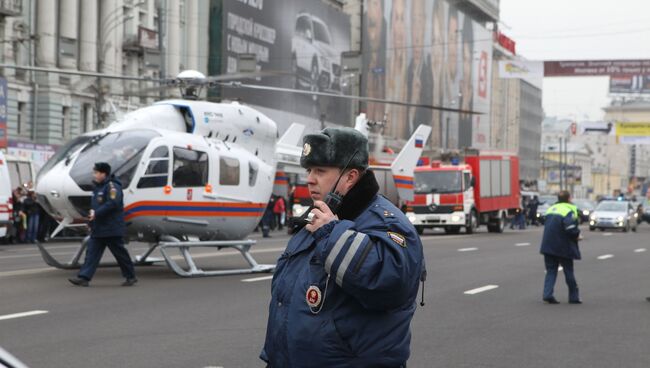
x=397, y=238
x=113, y=193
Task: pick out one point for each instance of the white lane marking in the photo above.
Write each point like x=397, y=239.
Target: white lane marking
x=257, y=279
x=605, y=256
x=23, y=314
x=522, y=244
x=467, y=249
x=481, y=289
x=607, y=234
x=640, y=250
x=29, y=271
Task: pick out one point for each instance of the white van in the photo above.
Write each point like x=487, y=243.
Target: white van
x=6, y=207
x=14, y=172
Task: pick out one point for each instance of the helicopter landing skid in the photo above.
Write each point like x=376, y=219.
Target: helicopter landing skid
x=75, y=264
x=243, y=246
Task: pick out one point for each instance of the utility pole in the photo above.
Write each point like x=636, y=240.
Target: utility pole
x=560, y=162
x=161, y=43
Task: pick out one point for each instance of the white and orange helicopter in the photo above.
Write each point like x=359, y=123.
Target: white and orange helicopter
x=194, y=173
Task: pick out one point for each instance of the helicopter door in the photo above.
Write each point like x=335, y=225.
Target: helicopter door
x=157, y=173
x=190, y=168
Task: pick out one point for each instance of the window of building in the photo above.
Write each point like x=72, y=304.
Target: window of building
x=157, y=170
x=65, y=122
x=21, y=118
x=228, y=171
x=25, y=172
x=190, y=168
x=86, y=118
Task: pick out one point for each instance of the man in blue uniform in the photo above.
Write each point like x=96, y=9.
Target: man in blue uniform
x=344, y=290
x=106, y=228
x=560, y=246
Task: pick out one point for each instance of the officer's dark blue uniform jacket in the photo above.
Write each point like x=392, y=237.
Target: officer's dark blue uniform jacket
x=374, y=258
x=107, y=201
x=561, y=232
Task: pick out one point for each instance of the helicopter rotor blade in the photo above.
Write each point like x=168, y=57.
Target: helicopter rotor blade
x=80, y=73
x=347, y=97
x=210, y=81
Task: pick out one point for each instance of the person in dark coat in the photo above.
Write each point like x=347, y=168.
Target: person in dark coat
x=560, y=247
x=32, y=210
x=532, y=210
x=343, y=293
x=106, y=228
x=267, y=218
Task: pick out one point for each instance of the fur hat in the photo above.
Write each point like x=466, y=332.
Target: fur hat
x=334, y=147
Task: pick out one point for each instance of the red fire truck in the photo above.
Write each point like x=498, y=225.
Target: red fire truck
x=479, y=189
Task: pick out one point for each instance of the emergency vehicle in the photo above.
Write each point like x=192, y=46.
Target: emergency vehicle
x=477, y=189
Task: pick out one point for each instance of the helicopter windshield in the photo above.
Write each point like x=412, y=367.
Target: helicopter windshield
x=121, y=150
x=66, y=151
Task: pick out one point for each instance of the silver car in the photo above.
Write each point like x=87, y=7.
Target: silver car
x=613, y=215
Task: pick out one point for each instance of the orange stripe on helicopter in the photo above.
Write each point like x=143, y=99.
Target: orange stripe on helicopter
x=194, y=209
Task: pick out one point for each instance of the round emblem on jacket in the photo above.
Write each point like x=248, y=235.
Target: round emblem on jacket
x=306, y=149
x=313, y=296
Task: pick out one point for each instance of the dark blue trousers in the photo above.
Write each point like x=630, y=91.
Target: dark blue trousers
x=95, y=250
x=552, y=263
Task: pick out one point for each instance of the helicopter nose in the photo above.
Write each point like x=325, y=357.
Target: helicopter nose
x=60, y=196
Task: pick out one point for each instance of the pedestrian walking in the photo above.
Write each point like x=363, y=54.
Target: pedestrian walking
x=560, y=247
x=532, y=211
x=279, y=209
x=106, y=228
x=267, y=219
x=344, y=290
x=32, y=210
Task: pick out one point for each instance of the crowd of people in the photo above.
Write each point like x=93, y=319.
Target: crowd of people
x=30, y=221
x=526, y=213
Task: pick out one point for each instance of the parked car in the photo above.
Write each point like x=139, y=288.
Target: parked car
x=614, y=215
x=315, y=61
x=585, y=208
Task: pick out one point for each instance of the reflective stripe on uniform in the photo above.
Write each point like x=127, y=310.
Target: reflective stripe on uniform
x=343, y=268
x=562, y=209
x=336, y=250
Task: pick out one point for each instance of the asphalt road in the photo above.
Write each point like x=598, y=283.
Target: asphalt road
x=167, y=321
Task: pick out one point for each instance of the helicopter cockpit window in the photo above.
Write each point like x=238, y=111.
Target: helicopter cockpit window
x=190, y=168
x=252, y=174
x=63, y=153
x=122, y=150
x=228, y=171
x=157, y=169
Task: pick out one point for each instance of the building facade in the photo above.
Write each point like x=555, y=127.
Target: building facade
x=113, y=37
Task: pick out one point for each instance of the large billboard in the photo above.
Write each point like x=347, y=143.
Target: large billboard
x=629, y=84
x=633, y=133
x=589, y=68
x=302, y=38
x=428, y=52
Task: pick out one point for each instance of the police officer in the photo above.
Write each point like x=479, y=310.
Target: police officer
x=560, y=246
x=344, y=290
x=106, y=228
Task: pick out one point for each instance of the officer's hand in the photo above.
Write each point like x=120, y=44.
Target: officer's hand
x=91, y=216
x=322, y=216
